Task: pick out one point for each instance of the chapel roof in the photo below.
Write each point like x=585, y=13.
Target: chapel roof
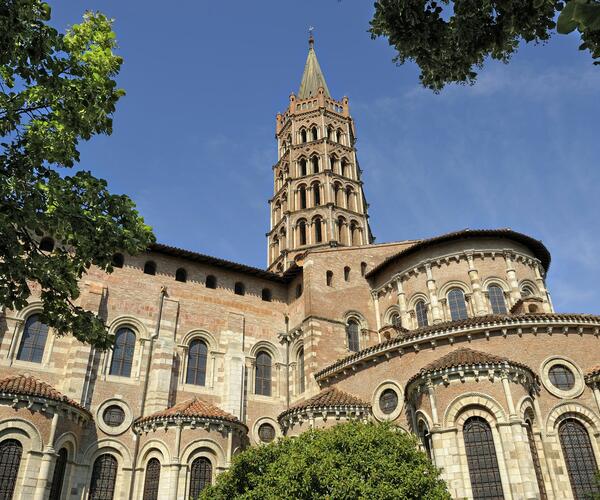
x=538, y=248
x=331, y=397
x=312, y=78
x=26, y=385
x=190, y=408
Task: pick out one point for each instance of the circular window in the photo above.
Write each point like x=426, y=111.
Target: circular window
x=388, y=401
x=561, y=377
x=113, y=416
x=266, y=433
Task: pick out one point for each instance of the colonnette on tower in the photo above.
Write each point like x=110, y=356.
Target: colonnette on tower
x=453, y=338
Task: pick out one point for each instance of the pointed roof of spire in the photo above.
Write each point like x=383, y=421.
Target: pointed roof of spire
x=313, y=77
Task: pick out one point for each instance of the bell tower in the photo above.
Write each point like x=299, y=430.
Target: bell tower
x=318, y=198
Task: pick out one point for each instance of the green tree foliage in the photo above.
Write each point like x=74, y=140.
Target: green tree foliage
x=448, y=39
x=55, y=91
x=348, y=461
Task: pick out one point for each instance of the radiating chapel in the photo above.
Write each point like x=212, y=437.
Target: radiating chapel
x=453, y=338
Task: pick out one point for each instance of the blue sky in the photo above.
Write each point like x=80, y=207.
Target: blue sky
x=193, y=140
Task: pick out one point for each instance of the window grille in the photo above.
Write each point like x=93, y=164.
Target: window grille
x=561, y=377
x=113, y=416
x=421, y=313
x=201, y=476
x=352, y=335
x=536, y=461
x=496, y=297
x=457, y=304
x=10, y=459
x=33, y=340
x=395, y=320
x=104, y=474
x=388, y=401
x=58, y=476
x=481, y=458
x=579, y=458
x=152, y=480
x=196, y=366
x=262, y=379
x=124, y=349
x=266, y=433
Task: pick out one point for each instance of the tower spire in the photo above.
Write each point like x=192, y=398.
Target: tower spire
x=312, y=78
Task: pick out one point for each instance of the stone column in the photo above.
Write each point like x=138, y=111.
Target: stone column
x=511, y=276
x=375, y=296
x=404, y=315
x=436, y=313
x=479, y=305
x=176, y=465
x=434, y=413
x=539, y=280
x=48, y=461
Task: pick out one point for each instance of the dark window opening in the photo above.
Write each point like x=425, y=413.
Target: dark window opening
x=211, y=282
x=104, y=475
x=266, y=433
x=301, y=375
x=579, y=458
x=266, y=295
x=352, y=334
x=196, y=365
x=123, y=350
x=118, y=260
x=496, y=297
x=33, y=340
x=152, y=480
x=314, y=133
x=58, y=476
x=113, y=416
x=561, y=377
x=239, y=288
x=47, y=244
x=318, y=230
x=329, y=278
x=181, y=275
x=262, y=377
x=150, y=268
x=346, y=273
x=388, y=401
x=457, y=304
x=200, y=476
x=11, y=451
x=363, y=268
x=421, y=313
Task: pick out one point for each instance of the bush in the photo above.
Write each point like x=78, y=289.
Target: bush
x=347, y=461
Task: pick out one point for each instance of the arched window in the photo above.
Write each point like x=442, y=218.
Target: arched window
x=457, y=304
x=123, y=351
x=302, y=232
x=302, y=167
x=349, y=193
x=527, y=291
x=395, y=320
x=150, y=268
x=301, y=376
x=303, y=136
x=352, y=332
x=11, y=451
x=58, y=476
x=425, y=437
x=200, y=476
x=421, y=314
x=343, y=165
x=314, y=134
x=211, y=282
x=318, y=223
x=316, y=194
x=262, y=377
x=496, y=296
x=329, y=278
x=535, y=459
x=33, y=340
x=340, y=226
x=152, y=480
x=239, y=288
x=482, y=460
x=340, y=136
x=579, y=458
x=118, y=260
x=266, y=295
x=181, y=275
x=363, y=268
x=333, y=163
x=354, y=234
x=104, y=475
x=315, y=164
x=196, y=362
x=302, y=195
x=346, y=273
x=47, y=244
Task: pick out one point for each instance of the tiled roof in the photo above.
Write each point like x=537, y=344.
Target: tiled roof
x=191, y=408
x=327, y=398
x=539, y=250
x=490, y=320
x=465, y=357
x=25, y=385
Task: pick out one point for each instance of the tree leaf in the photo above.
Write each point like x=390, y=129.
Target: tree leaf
x=566, y=23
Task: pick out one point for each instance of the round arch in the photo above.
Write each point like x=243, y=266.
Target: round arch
x=449, y=285
x=202, y=335
x=129, y=321
x=265, y=345
x=493, y=280
x=108, y=445
x=155, y=448
x=472, y=404
x=23, y=431
x=569, y=409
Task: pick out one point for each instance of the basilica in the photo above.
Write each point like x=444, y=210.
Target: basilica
x=453, y=338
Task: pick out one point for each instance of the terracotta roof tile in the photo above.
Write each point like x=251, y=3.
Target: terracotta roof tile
x=465, y=357
x=327, y=398
x=25, y=385
x=191, y=408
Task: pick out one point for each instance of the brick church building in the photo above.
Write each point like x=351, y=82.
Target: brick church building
x=453, y=338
